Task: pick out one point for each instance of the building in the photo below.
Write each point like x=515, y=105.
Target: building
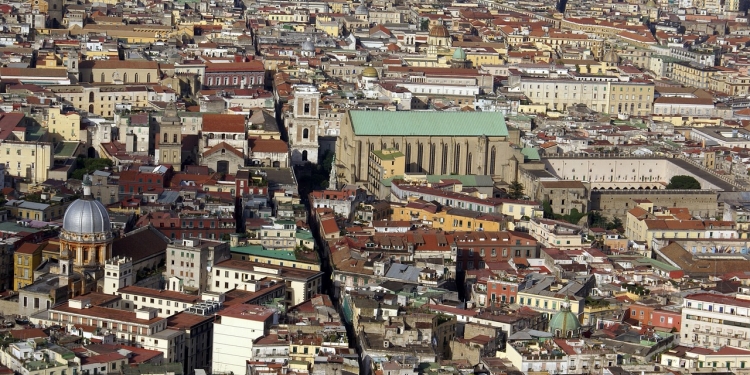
x=234, y=75
x=384, y=164
x=302, y=284
x=555, y=233
x=25, y=260
x=715, y=320
x=235, y=329
x=165, y=302
x=432, y=143
x=189, y=262
x=198, y=330
x=303, y=126
x=118, y=71
x=170, y=139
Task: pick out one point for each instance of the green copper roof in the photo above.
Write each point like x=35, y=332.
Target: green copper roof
x=392, y=155
x=428, y=123
x=459, y=54
x=258, y=250
x=530, y=153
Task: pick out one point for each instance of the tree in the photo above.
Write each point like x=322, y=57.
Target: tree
x=424, y=25
x=683, y=182
x=548, y=213
x=616, y=224
x=87, y=165
x=515, y=190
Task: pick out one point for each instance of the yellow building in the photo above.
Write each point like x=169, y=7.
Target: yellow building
x=64, y=126
x=447, y=219
x=30, y=160
x=21, y=209
x=549, y=302
x=384, y=164
x=118, y=71
x=693, y=75
x=25, y=260
x=328, y=24
x=642, y=225
x=101, y=100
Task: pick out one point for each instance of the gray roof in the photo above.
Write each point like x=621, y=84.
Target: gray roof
x=27, y=205
x=404, y=272
x=86, y=216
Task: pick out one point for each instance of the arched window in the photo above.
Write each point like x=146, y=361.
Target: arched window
x=92, y=77
x=493, y=155
x=91, y=96
x=444, y=166
x=305, y=133
x=223, y=136
x=174, y=138
x=165, y=138
x=468, y=163
x=304, y=155
x=136, y=78
x=420, y=154
x=125, y=77
x=432, y=158
x=148, y=78
x=456, y=158
x=408, y=157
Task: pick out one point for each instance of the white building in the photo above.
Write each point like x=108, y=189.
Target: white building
x=118, y=273
x=234, y=332
x=714, y=320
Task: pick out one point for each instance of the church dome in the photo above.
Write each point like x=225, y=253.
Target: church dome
x=459, y=54
x=564, y=322
x=86, y=216
x=362, y=9
x=370, y=72
x=308, y=46
x=439, y=32
x=611, y=57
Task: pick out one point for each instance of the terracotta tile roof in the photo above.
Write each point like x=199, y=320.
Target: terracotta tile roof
x=250, y=66
x=118, y=64
x=221, y=123
x=268, y=145
x=223, y=146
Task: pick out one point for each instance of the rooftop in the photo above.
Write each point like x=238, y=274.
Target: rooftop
x=413, y=123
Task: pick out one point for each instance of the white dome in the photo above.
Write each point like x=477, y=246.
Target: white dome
x=86, y=216
x=308, y=46
x=362, y=9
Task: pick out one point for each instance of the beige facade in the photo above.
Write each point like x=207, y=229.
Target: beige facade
x=30, y=160
x=603, y=94
x=118, y=71
x=462, y=153
x=64, y=126
x=693, y=75
x=102, y=100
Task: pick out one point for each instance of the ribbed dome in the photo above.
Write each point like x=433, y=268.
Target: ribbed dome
x=86, y=215
x=362, y=9
x=439, y=32
x=459, y=54
x=611, y=57
x=370, y=72
x=308, y=46
x=564, y=321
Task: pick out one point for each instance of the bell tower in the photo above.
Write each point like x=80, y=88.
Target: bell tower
x=170, y=138
x=304, y=124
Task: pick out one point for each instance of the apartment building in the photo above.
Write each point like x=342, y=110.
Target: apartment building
x=189, y=262
x=103, y=100
x=713, y=320
x=142, y=326
x=235, y=329
x=301, y=284
x=25, y=260
x=166, y=302
x=606, y=94
x=693, y=74
x=555, y=233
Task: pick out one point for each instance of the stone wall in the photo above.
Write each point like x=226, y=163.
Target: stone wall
x=616, y=203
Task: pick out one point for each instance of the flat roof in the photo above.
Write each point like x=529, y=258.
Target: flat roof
x=429, y=123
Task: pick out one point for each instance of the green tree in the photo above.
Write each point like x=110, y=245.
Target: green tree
x=574, y=216
x=515, y=190
x=424, y=25
x=616, y=223
x=86, y=165
x=683, y=182
x=548, y=213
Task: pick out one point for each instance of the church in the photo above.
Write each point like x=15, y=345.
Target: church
x=87, y=258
